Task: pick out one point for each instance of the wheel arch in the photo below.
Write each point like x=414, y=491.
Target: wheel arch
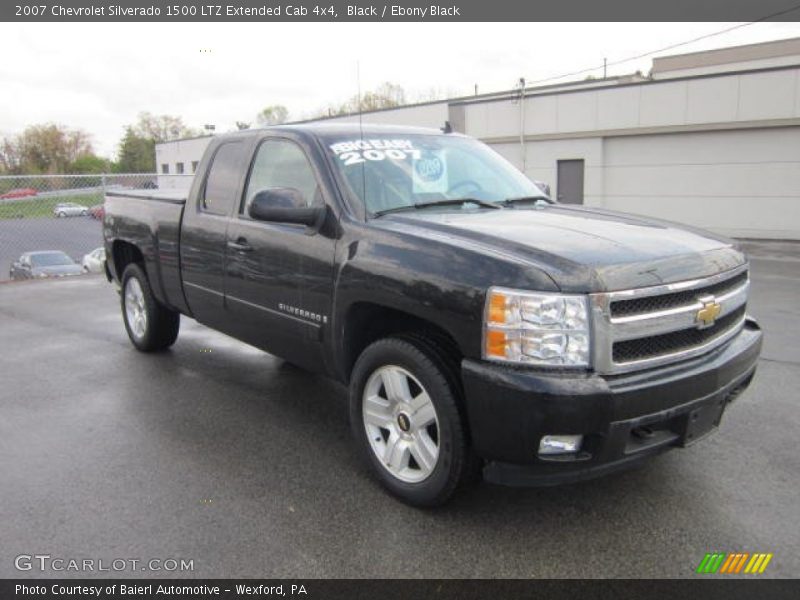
x=124, y=253
x=367, y=322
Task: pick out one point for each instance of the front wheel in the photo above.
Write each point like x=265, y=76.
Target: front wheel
x=406, y=421
x=150, y=325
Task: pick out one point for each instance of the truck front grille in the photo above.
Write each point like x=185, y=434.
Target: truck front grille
x=642, y=328
x=640, y=306
x=677, y=341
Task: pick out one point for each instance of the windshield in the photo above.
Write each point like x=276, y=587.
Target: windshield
x=50, y=259
x=389, y=173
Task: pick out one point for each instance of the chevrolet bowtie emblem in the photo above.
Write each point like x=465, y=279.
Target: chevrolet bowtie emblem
x=707, y=315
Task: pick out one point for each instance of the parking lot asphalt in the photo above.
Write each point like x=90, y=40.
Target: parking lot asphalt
x=219, y=453
x=74, y=235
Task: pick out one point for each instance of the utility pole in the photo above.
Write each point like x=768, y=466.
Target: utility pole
x=605, y=64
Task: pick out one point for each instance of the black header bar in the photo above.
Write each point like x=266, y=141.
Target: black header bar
x=735, y=588
x=397, y=10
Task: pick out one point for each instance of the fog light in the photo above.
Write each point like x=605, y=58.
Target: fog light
x=560, y=444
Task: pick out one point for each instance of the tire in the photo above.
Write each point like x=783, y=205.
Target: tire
x=418, y=449
x=84, y=213
x=61, y=215
x=150, y=325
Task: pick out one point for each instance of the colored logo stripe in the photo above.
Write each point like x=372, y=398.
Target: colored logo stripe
x=734, y=562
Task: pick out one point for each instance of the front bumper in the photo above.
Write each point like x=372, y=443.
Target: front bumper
x=624, y=418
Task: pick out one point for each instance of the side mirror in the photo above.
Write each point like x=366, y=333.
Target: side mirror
x=285, y=205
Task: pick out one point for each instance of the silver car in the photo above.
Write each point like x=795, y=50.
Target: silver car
x=95, y=261
x=70, y=209
x=47, y=263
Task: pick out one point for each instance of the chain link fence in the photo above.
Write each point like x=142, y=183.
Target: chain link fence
x=58, y=213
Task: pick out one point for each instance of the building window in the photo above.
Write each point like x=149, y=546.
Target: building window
x=194, y=166
x=179, y=168
x=165, y=169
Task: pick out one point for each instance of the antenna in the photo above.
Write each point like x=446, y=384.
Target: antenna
x=358, y=97
x=361, y=133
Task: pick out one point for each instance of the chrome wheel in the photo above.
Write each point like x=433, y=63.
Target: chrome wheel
x=401, y=424
x=135, y=309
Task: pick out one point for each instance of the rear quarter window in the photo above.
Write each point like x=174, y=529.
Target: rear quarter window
x=224, y=174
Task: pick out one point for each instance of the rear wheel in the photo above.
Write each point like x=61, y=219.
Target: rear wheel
x=405, y=418
x=150, y=325
x=61, y=215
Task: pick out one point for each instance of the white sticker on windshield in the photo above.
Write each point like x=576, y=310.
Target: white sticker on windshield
x=359, y=151
x=429, y=173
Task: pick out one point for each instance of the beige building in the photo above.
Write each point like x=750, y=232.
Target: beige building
x=711, y=138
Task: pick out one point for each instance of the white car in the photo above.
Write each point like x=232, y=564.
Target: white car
x=70, y=209
x=94, y=262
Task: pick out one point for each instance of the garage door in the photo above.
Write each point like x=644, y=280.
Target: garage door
x=743, y=183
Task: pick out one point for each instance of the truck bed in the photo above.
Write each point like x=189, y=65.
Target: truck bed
x=149, y=220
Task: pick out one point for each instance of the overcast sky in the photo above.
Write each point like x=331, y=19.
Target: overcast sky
x=99, y=76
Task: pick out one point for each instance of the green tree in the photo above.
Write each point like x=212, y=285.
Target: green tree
x=137, y=154
x=90, y=163
x=273, y=115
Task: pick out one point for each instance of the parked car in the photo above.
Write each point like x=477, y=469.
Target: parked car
x=479, y=325
x=45, y=263
x=19, y=193
x=97, y=211
x=95, y=261
x=70, y=209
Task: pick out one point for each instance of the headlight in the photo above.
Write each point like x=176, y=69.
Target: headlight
x=536, y=328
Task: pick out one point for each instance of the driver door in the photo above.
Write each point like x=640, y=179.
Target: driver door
x=278, y=275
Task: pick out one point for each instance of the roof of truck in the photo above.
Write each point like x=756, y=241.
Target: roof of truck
x=324, y=129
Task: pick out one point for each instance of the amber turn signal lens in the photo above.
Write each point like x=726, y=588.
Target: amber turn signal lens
x=496, y=344
x=497, y=308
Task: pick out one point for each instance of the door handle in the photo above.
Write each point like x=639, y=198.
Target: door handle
x=240, y=245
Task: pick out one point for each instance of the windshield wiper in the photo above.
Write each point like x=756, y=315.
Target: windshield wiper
x=445, y=202
x=522, y=199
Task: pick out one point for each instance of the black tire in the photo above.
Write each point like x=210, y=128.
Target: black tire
x=453, y=467
x=161, y=324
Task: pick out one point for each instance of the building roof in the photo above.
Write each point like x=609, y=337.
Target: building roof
x=724, y=56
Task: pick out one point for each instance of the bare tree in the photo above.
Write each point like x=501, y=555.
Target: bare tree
x=273, y=115
x=47, y=148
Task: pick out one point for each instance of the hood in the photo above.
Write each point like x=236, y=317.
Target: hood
x=583, y=249
x=57, y=271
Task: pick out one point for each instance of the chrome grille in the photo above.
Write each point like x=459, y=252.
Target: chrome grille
x=676, y=341
x=637, y=329
x=638, y=306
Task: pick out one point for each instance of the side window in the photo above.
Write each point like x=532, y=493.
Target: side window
x=220, y=190
x=281, y=163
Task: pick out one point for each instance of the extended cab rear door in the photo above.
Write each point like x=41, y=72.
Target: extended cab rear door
x=279, y=276
x=204, y=232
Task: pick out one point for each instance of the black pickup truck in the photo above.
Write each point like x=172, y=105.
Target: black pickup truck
x=482, y=328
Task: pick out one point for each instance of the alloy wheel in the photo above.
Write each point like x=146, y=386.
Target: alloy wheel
x=401, y=423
